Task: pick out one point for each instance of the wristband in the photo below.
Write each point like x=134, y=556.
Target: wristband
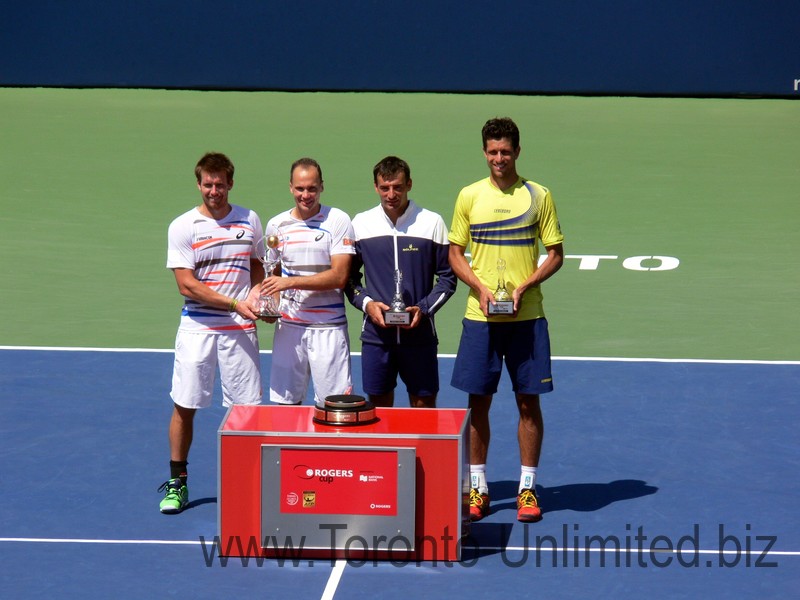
x=234, y=302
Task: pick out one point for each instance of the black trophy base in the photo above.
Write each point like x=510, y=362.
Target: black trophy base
x=269, y=315
x=501, y=307
x=345, y=410
x=397, y=317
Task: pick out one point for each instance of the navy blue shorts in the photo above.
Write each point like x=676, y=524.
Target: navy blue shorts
x=524, y=346
x=417, y=366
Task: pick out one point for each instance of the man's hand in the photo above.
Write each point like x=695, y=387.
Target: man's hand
x=246, y=308
x=374, y=310
x=275, y=284
x=486, y=297
x=416, y=317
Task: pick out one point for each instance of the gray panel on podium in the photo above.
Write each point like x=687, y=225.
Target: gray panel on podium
x=285, y=525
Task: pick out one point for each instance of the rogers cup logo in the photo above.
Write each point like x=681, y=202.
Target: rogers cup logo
x=324, y=475
x=304, y=472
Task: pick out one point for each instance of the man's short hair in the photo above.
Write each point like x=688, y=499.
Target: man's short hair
x=499, y=128
x=389, y=166
x=214, y=162
x=306, y=163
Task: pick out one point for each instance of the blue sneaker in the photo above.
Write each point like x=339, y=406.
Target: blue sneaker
x=176, y=498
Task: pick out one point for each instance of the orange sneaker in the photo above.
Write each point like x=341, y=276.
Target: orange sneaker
x=478, y=505
x=528, y=510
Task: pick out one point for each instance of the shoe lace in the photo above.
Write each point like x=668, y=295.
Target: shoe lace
x=171, y=486
x=475, y=497
x=527, y=499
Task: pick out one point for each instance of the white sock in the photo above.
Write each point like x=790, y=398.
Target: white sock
x=527, y=479
x=477, y=476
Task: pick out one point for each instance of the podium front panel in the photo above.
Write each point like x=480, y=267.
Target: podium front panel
x=338, y=497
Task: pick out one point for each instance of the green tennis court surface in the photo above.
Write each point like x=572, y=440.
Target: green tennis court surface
x=709, y=187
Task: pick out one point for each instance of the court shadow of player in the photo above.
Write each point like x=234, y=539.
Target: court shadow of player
x=484, y=539
x=588, y=497
x=580, y=497
x=200, y=502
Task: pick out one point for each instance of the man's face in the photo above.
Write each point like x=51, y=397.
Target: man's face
x=214, y=188
x=501, y=157
x=393, y=193
x=306, y=188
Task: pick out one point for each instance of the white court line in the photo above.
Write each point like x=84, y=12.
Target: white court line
x=328, y=594
x=333, y=580
x=101, y=541
x=556, y=358
x=330, y=587
x=637, y=551
x=341, y=563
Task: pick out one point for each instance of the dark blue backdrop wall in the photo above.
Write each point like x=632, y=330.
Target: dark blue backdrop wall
x=646, y=47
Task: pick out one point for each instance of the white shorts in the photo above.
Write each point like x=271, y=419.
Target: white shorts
x=196, y=358
x=300, y=353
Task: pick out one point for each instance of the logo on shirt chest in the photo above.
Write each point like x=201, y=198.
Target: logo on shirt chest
x=411, y=248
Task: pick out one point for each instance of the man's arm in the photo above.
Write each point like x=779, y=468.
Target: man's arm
x=191, y=287
x=332, y=278
x=354, y=290
x=548, y=268
x=256, y=272
x=458, y=261
x=445, y=285
x=357, y=295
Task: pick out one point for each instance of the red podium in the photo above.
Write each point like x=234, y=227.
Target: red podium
x=394, y=489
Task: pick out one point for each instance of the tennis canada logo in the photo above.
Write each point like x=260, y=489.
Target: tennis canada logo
x=292, y=499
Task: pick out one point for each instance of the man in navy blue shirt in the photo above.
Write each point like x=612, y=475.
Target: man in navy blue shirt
x=399, y=236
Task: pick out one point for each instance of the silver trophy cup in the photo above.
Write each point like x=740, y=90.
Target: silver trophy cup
x=269, y=305
x=397, y=315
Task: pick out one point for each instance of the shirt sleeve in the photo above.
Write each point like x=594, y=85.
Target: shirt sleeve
x=459, y=229
x=343, y=237
x=445, y=285
x=180, y=254
x=549, y=227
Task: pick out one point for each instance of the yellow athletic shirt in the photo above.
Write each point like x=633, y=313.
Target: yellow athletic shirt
x=506, y=224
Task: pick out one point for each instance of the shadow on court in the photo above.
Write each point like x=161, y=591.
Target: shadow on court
x=581, y=497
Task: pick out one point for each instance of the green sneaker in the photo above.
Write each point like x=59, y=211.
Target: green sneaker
x=177, y=496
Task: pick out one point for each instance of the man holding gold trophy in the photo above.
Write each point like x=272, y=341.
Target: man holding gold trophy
x=502, y=218
x=313, y=244
x=403, y=251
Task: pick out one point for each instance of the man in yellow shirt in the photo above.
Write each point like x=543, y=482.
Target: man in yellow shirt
x=501, y=218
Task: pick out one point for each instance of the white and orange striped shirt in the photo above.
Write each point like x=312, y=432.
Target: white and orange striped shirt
x=219, y=253
x=307, y=247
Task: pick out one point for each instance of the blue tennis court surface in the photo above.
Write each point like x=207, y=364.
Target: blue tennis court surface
x=641, y=459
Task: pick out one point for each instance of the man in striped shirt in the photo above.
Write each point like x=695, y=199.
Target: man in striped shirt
x=316, y=247
x=213, y=251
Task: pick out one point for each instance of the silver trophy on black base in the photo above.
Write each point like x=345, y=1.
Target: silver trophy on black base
x=397, y=314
